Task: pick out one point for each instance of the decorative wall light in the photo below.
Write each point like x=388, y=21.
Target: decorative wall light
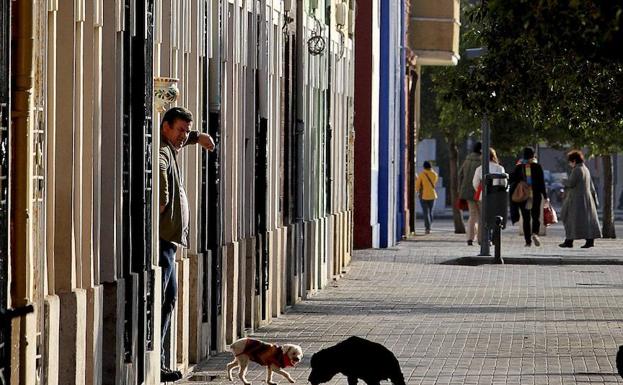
x=165, y=91
x=316, y=43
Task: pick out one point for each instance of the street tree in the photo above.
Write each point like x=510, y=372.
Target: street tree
x=557, y=65
x=450, y=108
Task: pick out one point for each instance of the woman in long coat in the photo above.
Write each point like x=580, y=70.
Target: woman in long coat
x=579, y=210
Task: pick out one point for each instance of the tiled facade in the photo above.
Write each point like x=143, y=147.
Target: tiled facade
x=271, y=208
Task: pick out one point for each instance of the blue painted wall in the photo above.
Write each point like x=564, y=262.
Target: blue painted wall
x=391, y=122
x=401, y=126
x=384, y=111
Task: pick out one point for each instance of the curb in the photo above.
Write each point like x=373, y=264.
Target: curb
x=538, y=261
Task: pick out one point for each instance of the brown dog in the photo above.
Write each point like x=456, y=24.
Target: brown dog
x=274, y=357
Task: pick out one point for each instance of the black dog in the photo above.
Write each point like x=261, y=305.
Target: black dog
x=619, y=361
x=356, y=358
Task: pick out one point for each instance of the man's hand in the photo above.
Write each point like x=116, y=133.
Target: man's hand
x=206, y=141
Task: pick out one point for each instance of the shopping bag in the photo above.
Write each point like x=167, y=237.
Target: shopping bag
x=478, y=193
x=549, y=215
x=461, y=204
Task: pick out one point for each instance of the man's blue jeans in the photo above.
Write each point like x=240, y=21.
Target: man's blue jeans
x=427, y=208
x=169, y=289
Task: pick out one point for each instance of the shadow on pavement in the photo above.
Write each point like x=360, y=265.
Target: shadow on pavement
x=541, y=261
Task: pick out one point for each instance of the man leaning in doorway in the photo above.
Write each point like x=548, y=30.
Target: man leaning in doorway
x=175, y=133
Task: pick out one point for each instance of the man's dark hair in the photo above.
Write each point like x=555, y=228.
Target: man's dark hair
x=528, y=153
x=427, y=165
x=477, y=148
x=175, y=113
x=575, y=156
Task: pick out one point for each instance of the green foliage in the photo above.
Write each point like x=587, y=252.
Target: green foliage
x=442, y=94
x=555, y=65
x=461, y=95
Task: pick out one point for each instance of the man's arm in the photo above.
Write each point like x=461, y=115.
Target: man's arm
x=541, y=180
x=418, y=182
x=164, y=180
x=594, y=193
x=203, y=139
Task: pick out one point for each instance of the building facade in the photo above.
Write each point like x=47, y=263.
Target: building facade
x=402, y=36
x=271, y=208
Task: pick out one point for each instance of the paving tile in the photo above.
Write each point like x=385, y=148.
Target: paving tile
x=538, y=323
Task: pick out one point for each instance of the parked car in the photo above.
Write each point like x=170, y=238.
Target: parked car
x=547, y=175
x=556, y=189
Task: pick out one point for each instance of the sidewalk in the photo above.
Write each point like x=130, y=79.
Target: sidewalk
x=451, y=324
x=446, y=213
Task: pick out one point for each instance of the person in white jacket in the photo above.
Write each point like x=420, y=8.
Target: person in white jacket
x=494, y=168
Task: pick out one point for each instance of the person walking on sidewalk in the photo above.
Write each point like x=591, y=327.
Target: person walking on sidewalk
x=425, y=185
x=579, y=209
x=528, y=180
x=494, y=168
x=175, y=133
x=466, y=191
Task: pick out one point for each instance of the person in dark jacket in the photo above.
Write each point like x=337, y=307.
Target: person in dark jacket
x=529, y=171
x=579, y=210
x=175, y=133
x=466, y=191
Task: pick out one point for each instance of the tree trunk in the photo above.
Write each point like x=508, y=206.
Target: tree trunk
x=608, y=204
x=459, y=226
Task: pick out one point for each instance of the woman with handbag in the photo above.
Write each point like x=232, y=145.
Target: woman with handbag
x=579, y=209
x=494, y=168
x=527, y=190
x=425, y=186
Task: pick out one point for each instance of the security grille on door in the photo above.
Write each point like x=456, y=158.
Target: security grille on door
x=5, y=327
x=5, y=42
x=4, y=201
x=214, y=235
x=39, y=221
x=147, y=177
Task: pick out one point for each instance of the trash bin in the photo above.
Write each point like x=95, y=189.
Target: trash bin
x=496, y=197
x=496, y=209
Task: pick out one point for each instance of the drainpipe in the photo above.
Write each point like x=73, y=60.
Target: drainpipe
x=300, y=104
x=329, y=131
x=301, y=47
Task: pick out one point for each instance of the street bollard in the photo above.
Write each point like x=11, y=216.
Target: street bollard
x=497, y=240
x=497, y=208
